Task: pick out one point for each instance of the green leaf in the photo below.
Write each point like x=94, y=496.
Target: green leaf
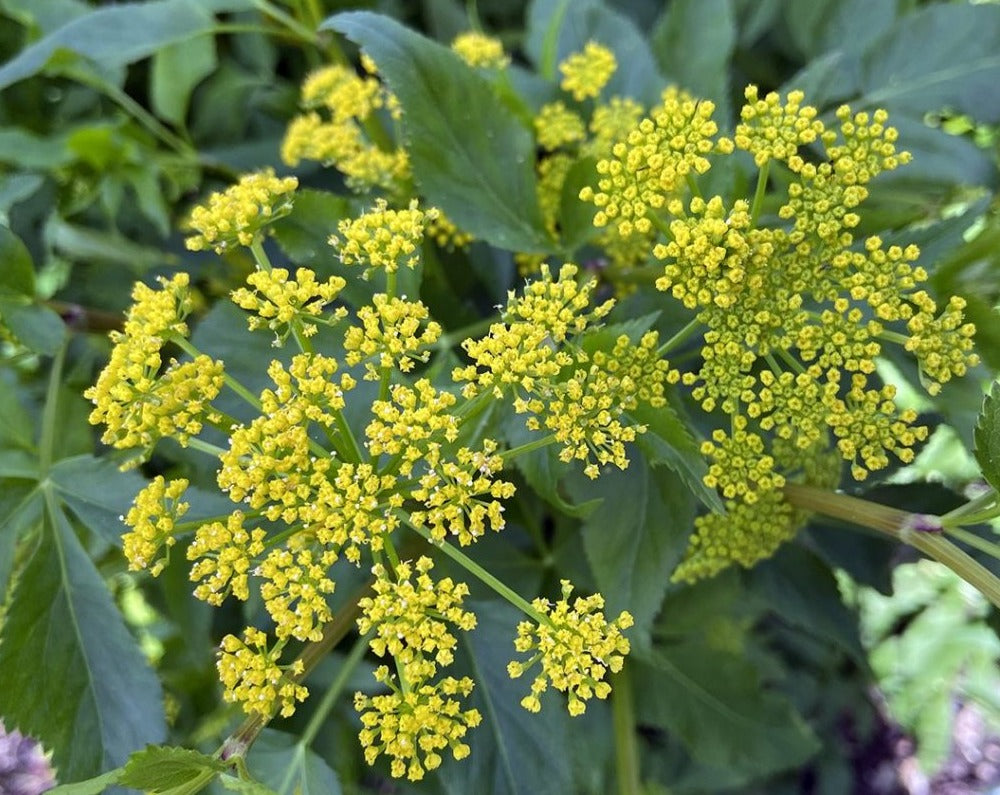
x=92, y=786
x=246, y=786
x=471, y=156
x=304, y=232
x=569, y=25
x=987, y=437
x=287, y=767
x=714, y=703
x=17, y=271
x=97, y=492
x=693, y=42
x=91, y=245
x=36, y=327
x=17, y=428
x=157, y=769
x=668, y=442
x=28, y=151
x=21, y=511
x=824, y=25
x=941, y=56
x=73, y=675
x=177, y=69
x=576, y=218
x=512, y=750
x=114, y=37
x=636, y=536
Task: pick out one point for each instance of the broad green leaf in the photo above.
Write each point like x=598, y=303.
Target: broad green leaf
x=97, y=492
x=636, y=537
x=668, y=442
x=987, y=437
x=570, y=24
x=20, y=512
x=17, y=187
x=17, y=271
x=157, y=769
x=715, y=704
x=471, y=156
x=114, y=37
x=36, y=327
x=941, y=56
x=17, y=428
x=802, y=592
x=576, y=218
x=693, y=43
x=177, y=69
x=304, y=232
x=92, y=786
x=823, y=25
x=91, y=245
x=73, y=675
x=29, y=151
x=287, y=767
x=512, y=750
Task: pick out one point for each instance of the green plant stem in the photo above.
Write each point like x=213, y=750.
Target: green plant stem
x=288, y=21
x=239, y=742
x=205, y=447
x=973, y=540
x=758, y=196
x=660, y=223
x=920, y=531
x=186, y=346
x=528, y=447
x=623, y=720
x=982, y=508
x=452, y=338
x=479, y=572
x=682, y=335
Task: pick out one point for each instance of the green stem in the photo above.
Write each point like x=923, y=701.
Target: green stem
x=231, y=382
x=528, y=447
x=290, y=22
x=353, y=450
x=206, y=447
x=623, y=720
x=660, y=223
x=479, y=572
x=758, y=196
x=976, y=510
x=916, y=530
x=679, y=337
x=452, y=338
x=975, y=541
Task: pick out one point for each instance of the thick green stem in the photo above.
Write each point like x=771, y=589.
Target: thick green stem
x=974, y=541
x=758, y=196
x=528, y=447
x=682, y=335
x=623, y=718
x=205, y=447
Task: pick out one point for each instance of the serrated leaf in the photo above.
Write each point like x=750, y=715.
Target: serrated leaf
x=470, y=155
x=668, y=442
x=558, y=28
x=97, y=492
x=693, y=43
x=177, y=69
x=287, y=767
x=987, y=437
x=161, y=768
x=114, y=37
x=16, y=425
x=73, y=675
x=714, y=703
x=636, y=537
x=92, y=786
x=512, y=751
x=20, y=512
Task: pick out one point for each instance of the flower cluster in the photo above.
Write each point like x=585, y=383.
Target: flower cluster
x=390, y=333
x=252, y=677
x=585, y=73
x=480, y=50
x=282, y=304
x=383, y=238
x=135, y=398
x=25, y=769
x=342, y=128
x=236, y=215
x=153, y=519
x=576, y=646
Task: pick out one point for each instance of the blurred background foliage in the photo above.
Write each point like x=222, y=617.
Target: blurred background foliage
x=115, y=118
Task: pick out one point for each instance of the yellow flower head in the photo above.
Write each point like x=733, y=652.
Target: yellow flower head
x=237, y=215
x=253, y=678
x=556, y=125
x=413, y=727
x=224, y=554
x=771, y=131
x=390, y=332
x=410, y=613
x=413, y=425
x=577, y=647
x=342, y=92
x=152, y=517
x=382, y=238
x=443, y=231
x=479, y=50
x=586, y=73
x=282, y=304
x=294, y=588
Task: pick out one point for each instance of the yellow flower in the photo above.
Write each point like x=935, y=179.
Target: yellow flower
x=556, y=125
x=294, y=588
x=342, y=92
x=412, y=426
x=282, y=304
x=577, y=647
x=252, y=677
x=224, y=554
x=586, y=73
x=152, y=517
x=771, y=131
x=382, y=238
x=412, y=726
x=390, y=330
x=237, y=215
x=480, y=50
